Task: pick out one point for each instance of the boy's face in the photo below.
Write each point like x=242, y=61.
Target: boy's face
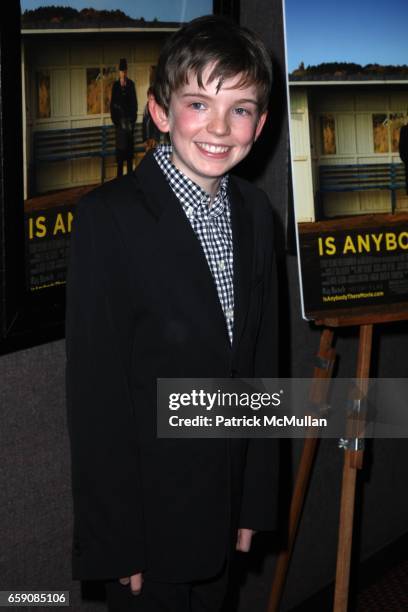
x=210, y=132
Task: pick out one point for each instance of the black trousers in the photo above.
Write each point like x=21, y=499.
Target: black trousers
x=120, y=159
x=124, y=148
x=200, y=596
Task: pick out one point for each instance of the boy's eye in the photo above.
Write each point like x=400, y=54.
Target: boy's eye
x=242, y=111
x=197, y=105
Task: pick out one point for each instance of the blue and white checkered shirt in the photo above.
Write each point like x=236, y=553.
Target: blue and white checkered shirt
x=212, y=226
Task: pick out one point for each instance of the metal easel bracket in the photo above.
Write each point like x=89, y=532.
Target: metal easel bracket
x=356, y=420
x=322, y=363
x=353, y=444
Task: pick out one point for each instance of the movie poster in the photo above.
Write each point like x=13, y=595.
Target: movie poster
x=70, y=60
x=348, y=90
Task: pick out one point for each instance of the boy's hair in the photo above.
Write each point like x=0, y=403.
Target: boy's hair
x=213, y=40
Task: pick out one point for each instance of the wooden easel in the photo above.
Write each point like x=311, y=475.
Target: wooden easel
x=353, y=451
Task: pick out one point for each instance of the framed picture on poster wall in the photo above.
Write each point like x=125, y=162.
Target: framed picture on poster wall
x=57, y=138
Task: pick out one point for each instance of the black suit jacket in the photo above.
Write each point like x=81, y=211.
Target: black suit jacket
x=142, y=304
x=403, y=144
x=123, y=104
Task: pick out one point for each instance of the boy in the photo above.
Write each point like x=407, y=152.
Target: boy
x=172, y=275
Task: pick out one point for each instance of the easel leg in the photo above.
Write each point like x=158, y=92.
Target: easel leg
x=353, y=460
x=318, y=392
x=345, y=534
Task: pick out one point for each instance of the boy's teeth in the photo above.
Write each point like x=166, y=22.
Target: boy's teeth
x=212, y=148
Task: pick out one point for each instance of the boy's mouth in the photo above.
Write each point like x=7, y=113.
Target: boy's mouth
x=211, y=148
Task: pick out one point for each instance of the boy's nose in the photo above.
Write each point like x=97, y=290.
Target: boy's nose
x=219, y=125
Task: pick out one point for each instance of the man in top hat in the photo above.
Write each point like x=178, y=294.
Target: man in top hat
x=123, y=109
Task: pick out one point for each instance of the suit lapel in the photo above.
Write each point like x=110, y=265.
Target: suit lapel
x=180, y=249
x=242, y=235
x=183, y=252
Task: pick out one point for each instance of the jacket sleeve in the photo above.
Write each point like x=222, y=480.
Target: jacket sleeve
x=403, y=143
x=259, y=506
x=108, y=512
x=133, y=104
x=115, y=109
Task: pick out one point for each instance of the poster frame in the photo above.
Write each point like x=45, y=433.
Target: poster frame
x=27, y=318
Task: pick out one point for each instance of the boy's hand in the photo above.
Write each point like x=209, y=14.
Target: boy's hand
x=134, y=581
x=244, y=539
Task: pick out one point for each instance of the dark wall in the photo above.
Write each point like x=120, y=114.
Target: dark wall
x=35, y=513
x=35, y=508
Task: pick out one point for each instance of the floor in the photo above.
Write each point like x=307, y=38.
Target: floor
x=379, y=585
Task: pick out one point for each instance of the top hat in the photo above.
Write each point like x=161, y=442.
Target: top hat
x=123, y=64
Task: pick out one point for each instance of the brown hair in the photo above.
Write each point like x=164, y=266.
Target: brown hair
x=213, y=40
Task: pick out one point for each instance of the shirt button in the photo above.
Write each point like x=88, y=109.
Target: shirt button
x=190, y=212
x=221, y=265
x=229, y=313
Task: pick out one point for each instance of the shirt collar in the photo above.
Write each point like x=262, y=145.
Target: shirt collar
x=186, y=190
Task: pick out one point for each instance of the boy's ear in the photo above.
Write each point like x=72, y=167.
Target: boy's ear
x=260, y=124
x=158, y=115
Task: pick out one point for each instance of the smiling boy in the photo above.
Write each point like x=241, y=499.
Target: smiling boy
x=212, y=127
x=172, y=276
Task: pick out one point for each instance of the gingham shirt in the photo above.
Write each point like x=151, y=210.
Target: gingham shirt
x=212, y=226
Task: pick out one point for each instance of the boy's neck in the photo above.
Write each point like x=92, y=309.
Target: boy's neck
x=210, y=186
x=212, y=191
